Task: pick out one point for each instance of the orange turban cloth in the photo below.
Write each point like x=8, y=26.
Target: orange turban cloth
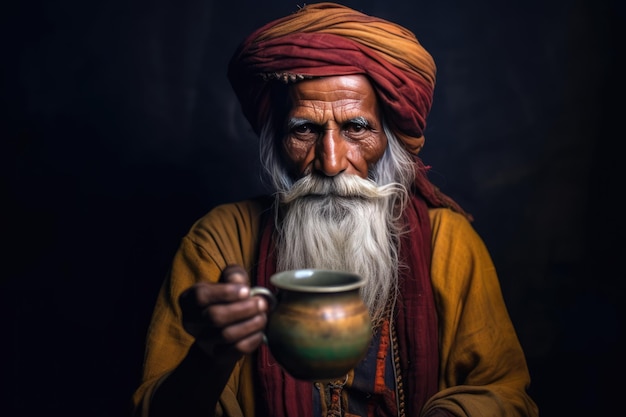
x=328, y=39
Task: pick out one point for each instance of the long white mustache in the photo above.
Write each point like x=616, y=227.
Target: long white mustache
x=343, y=185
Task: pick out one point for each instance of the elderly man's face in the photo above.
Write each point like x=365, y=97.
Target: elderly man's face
x=334, y=127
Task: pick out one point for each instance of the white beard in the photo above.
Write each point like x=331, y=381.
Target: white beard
x=343, y=223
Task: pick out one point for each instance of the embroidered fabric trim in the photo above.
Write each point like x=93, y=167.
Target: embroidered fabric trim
x=335, y=387
x=398, y=373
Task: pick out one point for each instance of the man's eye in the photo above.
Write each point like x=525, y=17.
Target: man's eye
x=305, y=131
x=302, y=129
x=356, y=129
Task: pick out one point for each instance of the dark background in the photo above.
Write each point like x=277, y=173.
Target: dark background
x=119, y=129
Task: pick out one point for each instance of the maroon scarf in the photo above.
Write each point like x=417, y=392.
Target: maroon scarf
x=280, y=395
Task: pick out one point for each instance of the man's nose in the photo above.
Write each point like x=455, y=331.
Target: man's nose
x=331, y=154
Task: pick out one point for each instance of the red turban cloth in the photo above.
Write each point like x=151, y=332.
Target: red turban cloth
x=328, y=39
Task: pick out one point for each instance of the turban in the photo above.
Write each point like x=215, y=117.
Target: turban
x=328, y=39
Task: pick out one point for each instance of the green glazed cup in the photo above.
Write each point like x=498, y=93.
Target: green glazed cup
x=318, y=328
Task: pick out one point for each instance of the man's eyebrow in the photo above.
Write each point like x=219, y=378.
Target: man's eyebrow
x=297, y=121
x=361, y=120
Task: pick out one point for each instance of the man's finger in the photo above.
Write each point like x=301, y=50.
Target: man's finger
x=203, y=294
x=235, y=274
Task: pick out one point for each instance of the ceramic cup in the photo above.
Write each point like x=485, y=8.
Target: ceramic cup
x=318, y=327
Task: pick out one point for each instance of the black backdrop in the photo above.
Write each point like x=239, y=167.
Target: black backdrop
x=119, y=129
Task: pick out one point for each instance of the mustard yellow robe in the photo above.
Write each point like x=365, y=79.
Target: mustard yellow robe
x=483, y=371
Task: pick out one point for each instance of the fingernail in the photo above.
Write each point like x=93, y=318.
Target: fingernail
x=244, y=292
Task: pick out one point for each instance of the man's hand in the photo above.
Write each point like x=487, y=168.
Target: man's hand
x=222, y=317
x=226, y=323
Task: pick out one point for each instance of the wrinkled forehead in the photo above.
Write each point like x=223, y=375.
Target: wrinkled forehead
x=355, y=92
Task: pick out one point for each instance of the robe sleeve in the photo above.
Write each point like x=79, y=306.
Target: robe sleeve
x=483, y=370
x=228, y=234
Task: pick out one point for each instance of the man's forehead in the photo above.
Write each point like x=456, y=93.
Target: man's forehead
x=348, y=96
x=339, y=84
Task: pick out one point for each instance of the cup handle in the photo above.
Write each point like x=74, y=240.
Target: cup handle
x=262, y=291
x=271, y=300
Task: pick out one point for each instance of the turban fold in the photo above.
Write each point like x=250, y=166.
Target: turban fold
x=328, y=39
